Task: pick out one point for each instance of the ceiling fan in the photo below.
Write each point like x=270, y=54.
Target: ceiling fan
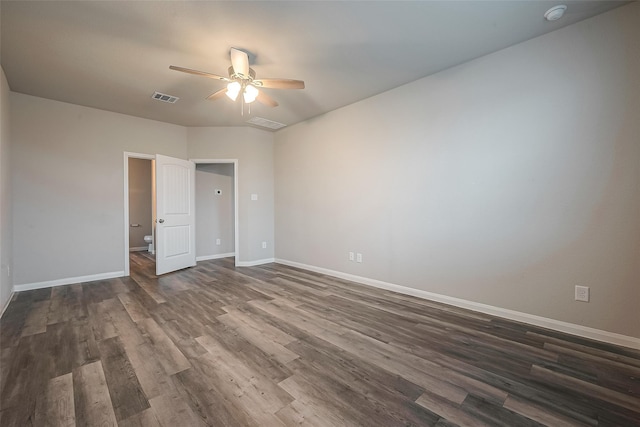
x=242, y=80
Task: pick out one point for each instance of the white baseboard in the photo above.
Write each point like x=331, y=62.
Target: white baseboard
x=139, y=249
x=254, y=263
x=67, y=281
x=6, y=304
x=557, y=325
x=218, y=256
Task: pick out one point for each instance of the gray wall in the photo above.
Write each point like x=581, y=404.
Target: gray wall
x=214, y=212
x=140, y=206
x=506, y=181
x=6, y=226
x=254, y=150
x=68, y=185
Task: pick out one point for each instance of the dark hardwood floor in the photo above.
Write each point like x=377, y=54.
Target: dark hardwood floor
x=273, y=345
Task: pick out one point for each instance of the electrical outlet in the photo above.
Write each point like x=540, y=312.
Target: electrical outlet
x=264, y=245
x=218, y=241
x=352, y=256
x=358, y=257
x=582, y=293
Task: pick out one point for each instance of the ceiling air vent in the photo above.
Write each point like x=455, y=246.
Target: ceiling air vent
x=259, y=121
x=164, y=97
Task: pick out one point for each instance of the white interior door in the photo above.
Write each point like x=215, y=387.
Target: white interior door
x=175, y=214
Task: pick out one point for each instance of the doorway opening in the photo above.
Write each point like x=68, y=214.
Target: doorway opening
x=218, y=188
x=217, y=222
x=215, y=212
x=139, y=206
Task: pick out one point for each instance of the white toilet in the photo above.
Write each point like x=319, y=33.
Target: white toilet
x=149, y=239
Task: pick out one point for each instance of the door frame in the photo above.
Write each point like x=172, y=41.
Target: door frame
x=236, y=222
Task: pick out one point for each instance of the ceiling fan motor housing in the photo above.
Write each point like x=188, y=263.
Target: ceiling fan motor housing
x=233, y=75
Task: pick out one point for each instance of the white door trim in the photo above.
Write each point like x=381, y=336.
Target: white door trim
x=127, y=156
x=236, y=222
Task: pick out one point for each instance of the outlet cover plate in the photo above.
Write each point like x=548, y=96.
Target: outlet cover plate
x=582, y=293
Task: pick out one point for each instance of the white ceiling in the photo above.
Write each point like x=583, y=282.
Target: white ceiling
x=113, y=55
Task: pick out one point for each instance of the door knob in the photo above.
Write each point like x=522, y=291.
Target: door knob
x=161, y=221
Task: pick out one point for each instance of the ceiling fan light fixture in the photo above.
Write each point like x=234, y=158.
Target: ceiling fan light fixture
x=242, y=79
x=250, y=94
x=233, y=89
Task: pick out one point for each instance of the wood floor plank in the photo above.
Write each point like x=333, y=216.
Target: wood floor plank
x=449, y=410
x=207, y=398
x=133, y=307
x=539, y=414
x=495, y=415
x=182, y=335
x=126, y=393
x=151, y=288
x=146, y=418
x=149, y=371
x=119, y=285
x=31, y=367
x=100, y=319
x=167, y=352
x=594, y=390
x=385, y=358
x=271, y=332
x=260, y=339
x=329, y=360
x=125, y=328
x=363, y=395
x=621, y=354
x=36, y=322
x=632, y=368
x=313, y=405
x=73, y=345
x=243, y=381
x=66, y=304
x=172, y=410
x=247, y=353
x=92, y=401
x=58, y=407
x=306, y=322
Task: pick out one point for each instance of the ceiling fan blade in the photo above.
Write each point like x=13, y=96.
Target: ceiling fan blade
x=280, y=83
x=198, y=73
x=217, y=95
x=240, y=62
x=265, y=99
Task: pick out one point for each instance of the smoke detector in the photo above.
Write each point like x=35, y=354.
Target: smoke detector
x=555, y=12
